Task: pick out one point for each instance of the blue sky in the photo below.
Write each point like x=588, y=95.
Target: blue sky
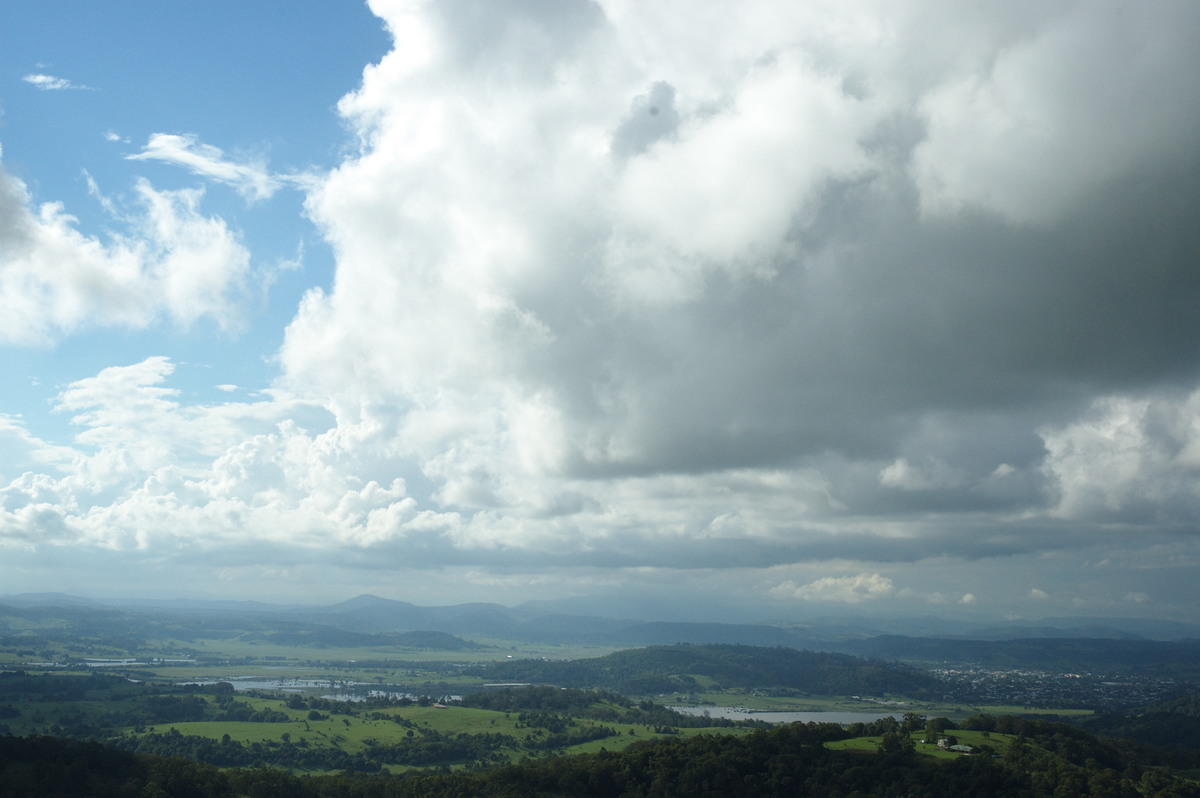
x=863, y=306
x=261, y=79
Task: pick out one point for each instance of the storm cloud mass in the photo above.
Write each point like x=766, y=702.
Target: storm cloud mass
x=811, y=303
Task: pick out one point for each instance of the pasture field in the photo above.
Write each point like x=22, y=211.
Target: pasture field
x=305, y=732
x=355, y=733
x=998, y=742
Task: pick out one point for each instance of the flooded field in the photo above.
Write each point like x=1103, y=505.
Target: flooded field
x=742, y=713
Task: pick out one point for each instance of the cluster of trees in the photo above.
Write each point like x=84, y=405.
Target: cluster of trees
x=422, y=749
x=63, y=687
x=150, y=710
x=567, y=736
x=542, y=698
x=1171, y=727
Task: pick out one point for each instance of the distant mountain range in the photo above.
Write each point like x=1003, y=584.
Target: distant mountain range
x=1099, y=643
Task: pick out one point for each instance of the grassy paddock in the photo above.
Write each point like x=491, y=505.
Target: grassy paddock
x=352, y=733
x=999, y=742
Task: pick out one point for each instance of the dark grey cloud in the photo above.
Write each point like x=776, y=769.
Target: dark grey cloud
x=889, y=321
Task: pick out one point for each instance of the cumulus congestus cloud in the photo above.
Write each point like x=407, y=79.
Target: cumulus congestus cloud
x=812, y=253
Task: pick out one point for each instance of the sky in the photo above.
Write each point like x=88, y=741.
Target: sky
x=856, y=306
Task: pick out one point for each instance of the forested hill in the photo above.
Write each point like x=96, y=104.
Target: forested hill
x=1179, y=659
x=1172, y=727
x=687, y=668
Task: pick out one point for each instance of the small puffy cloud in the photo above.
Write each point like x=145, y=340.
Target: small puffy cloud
x=172, y=262
x=968, y=598
x=1038, y=595
x=50, y=82
x=250, y=178
x=840, y=589
x=929, y=475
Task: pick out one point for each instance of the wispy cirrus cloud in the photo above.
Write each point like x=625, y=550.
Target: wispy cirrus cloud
x=52, y=82
x=250, y=178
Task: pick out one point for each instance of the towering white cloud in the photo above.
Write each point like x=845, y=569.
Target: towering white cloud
x=663, y=242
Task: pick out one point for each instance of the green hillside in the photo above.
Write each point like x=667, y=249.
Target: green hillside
x=687, y=668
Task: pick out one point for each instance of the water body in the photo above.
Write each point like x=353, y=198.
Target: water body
x=742, y=713
x=241, y=683
x=358, y=697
